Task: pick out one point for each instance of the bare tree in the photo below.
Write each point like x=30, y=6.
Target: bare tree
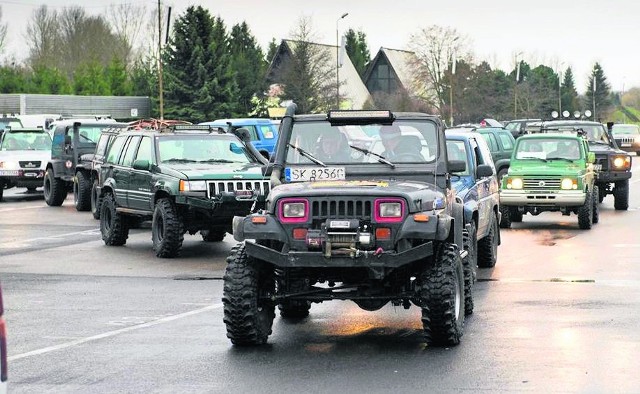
x=128, y=24
x=43, y=37
x=3, y=31
x=435, y=48
x=309, y=75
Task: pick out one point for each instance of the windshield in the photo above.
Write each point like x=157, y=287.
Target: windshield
x=549, y=149
x=619, y=129
x=202, y=148
x=12, y=123
x=26, y=140
x=88, y=134
x=403, y=142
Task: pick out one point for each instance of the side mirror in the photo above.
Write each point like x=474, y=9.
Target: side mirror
x=457, y=165
x=141, y=165
x=484, y=170
x=591, y=157
x=67, y=140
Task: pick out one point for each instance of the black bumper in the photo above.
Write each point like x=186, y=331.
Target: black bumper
x=294, y=259
x=613, y=176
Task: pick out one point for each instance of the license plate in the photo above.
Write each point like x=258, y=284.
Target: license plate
x=310, y=174
x=597, y=167
x=9, y=172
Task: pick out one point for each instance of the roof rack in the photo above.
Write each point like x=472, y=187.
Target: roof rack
x=191, y=128
x=155, y=124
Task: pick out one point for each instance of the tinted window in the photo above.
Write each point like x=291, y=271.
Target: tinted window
x=114, y=151
x=491, y=141
x=131, y=151
x=144, y=152
x=506, y=140
x=102, y=144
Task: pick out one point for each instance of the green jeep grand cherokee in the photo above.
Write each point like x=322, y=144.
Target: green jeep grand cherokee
x=550, y=172
x=185, y=178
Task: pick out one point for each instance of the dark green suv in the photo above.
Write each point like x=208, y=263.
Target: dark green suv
x=343, y=222
x=186, y=179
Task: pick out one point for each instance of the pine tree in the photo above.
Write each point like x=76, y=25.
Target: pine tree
x=199, y=83
x=248, y=65
x=273, y=49
x=597, y=97
x=569, y=94
x=116, y=78
x=48, y=80
x=358, y=50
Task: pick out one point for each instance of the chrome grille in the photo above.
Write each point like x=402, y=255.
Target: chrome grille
x=542, y=183
x=625, y=140
x=217, y=187
x=341, y=209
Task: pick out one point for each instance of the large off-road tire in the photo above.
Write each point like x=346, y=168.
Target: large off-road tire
x=96, y=200
x=442, y=295
x=212, y=235
x=505, y=217
x=54, y=189
x=488, y=246
x=470, y=263
x=247, y=315
x=1, y=189
x=596, y=207
x=113, y=225
x=515, y=215
x=621, y=195
x=295, y=309
x=585, y=212
x=167, y=229
x=82, y=191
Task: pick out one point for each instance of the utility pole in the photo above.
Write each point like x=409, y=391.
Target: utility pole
x=160, y=88
x=338, y=61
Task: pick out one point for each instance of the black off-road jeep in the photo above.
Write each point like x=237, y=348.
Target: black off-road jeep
x=371, y=226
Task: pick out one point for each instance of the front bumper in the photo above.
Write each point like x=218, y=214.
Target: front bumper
x=296, y=259
x=23, y=178
x=612, y=176
x=564, y=198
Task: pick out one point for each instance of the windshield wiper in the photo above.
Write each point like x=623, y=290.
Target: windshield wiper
x=217, y=161
x=307, y=155
x=560, y=158
x=380, y=158
x=534, y=158
x=179, y=160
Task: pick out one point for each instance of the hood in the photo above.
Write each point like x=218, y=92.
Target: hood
x=550, y=168
x=12, y=157
x=204, y=171
x=603, y=149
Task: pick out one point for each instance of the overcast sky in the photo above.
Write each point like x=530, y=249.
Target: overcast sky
x=557, y=33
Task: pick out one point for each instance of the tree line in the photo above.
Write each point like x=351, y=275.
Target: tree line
x=212, y=71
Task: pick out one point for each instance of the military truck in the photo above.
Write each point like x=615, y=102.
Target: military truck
x=551, y=172
x=373, y=228
x=185, y=179
x=478, y=188
x=613, y=165
x=71, y=140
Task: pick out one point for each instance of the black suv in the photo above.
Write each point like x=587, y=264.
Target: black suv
x=613, y=165
x=346, y=223
x=71, y=140
x=187, y=179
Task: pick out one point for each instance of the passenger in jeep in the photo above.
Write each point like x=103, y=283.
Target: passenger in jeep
x=333, y=147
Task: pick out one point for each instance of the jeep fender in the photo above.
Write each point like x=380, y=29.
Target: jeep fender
x=470, y=207
x=244, y=228
x=502, y=164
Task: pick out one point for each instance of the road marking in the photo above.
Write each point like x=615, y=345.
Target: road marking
x=95, y=231
x=21, y=208
x=626, y=245
x=112, y=333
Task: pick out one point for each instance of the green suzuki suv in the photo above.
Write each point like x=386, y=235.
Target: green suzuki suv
x=550, y=172
x=186, y=179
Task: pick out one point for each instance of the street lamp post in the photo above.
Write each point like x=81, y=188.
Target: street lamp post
x=515, y=88
x=338, y=61
x=560, y=89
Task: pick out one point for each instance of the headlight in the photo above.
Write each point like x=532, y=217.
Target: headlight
x=622, y=162
x=9, y=165
x=514, y=183
x=569, y=184
x=293, y=210
x=193, y=186
x=390, y=210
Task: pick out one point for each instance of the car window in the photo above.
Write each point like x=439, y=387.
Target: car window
x=102, y=144
x=144, y=152
x=456, y=150
x=252, y=131
x=625, y=129
x=131, y=151
x=268, y=131
x=506, y=140
x=491, y=141
x=202, y=148
x=26, y=140
x=115, y=149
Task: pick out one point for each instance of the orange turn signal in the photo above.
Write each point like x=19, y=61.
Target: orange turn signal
x=420, y=217
x=258, y=219
x=383, y=233
x=299, y=233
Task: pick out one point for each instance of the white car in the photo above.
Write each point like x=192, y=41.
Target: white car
x=24, y=154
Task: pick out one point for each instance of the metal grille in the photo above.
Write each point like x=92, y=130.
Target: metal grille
x=217, y=187
x=29, y=164
x=603, y=161
x=341, y=209
x=542, y=184
x=625, y=140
